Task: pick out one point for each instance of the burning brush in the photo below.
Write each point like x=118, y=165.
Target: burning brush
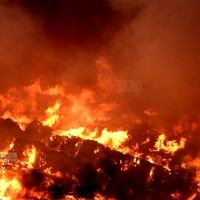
x=99, y=100
x=70, y=167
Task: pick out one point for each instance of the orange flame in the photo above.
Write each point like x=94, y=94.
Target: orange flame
x=171, y=146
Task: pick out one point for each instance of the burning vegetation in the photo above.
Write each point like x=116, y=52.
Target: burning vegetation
x=55, y=160
x=70, y=167
x=99, y=100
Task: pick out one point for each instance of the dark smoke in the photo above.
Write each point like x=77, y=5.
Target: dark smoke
x=59, y=40
x=90, y=24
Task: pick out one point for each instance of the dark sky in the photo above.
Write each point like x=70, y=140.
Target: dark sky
x=157, y=42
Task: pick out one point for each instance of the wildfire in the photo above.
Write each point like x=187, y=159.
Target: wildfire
x=170, y=146
x=9, y=188
x=151, y=174
x=52, y=116
x=113, y=140
x=72, y=116
x=30, y=155
x=21, y=121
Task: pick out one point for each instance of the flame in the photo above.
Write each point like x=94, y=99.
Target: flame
x=24, y=104
x=30, y=156
x=149, y=158
x=114, y=139
x=171, y=146
x=22, y=121
x=52, y=116
x=151, y=175
x=74, y=115
x=192, y=197
x=10, y=146
x=9, y=187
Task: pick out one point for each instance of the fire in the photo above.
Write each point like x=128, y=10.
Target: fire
x=151, y=174
x=176, y=195
x=150, y=159
x=99, y=100
x=22, y=121
x=9, y=187
x=74, y=116
x=10, y=146
x=52, y=116
x=30, y=156
x=192, y=197
x=114, y=139
x=61, y=108
x=171, y=146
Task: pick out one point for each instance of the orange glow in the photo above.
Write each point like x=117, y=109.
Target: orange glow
x=171, y=146
x=52, y=116
x=71, y=115
x=176, y=195
x=21, y=121
x=192, y=197
x=151, y=174
x=99, y=100
x=150, y=112
x=114, y=140
x=9, y=188
x=150, y=159
x=30, y=157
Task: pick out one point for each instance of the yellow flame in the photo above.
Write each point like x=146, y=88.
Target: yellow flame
x=9, y=188
x=52, y=116
x=149, y=158
x=22, y=121
x=31, y=155
x=151, y=174
x=114, y=139
x=171, y=146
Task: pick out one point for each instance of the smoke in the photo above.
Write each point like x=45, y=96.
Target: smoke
x=161, y=49
x=168, y=35
x=89, y=23
x=68, y=55
x=59, y=40
x=152, y=41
